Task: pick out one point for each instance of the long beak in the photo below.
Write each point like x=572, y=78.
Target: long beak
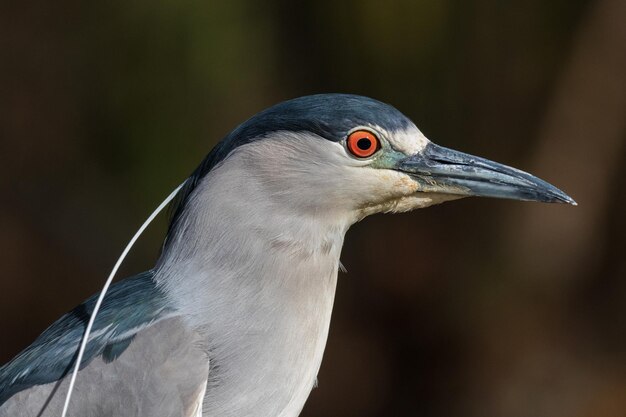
x=443, y=170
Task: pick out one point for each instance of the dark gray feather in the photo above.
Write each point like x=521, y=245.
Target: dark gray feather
x=129, y=306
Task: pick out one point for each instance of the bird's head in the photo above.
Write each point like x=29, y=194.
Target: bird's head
x=356, y=155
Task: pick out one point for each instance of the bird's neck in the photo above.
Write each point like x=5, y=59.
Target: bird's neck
x=258, y=278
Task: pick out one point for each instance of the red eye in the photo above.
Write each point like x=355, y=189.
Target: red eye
x=363, y=143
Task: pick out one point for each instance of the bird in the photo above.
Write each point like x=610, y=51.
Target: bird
x=233, y=318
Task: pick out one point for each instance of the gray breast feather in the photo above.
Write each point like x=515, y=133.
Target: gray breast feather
x=130, y=306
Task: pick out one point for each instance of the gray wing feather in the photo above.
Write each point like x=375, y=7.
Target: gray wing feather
x=130, y=306
x=163, y=373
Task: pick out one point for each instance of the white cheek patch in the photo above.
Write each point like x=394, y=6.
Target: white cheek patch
x=410, y=141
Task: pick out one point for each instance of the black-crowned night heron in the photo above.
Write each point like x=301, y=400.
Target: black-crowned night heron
x=233, y=318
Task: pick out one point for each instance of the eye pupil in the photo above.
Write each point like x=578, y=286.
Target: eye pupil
x=364, y=144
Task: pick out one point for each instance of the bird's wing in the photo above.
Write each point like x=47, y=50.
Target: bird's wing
x=163, y=372
x=138, y=348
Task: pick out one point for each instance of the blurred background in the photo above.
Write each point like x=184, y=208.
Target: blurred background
x=473, y=308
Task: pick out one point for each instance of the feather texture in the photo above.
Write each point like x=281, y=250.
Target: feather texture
x=130, y=306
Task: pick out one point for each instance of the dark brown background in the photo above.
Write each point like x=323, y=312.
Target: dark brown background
x=473, y=308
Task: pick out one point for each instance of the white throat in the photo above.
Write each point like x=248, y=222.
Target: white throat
x=257, y=275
